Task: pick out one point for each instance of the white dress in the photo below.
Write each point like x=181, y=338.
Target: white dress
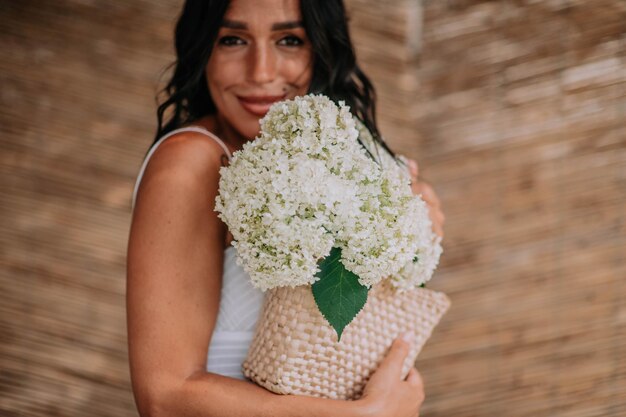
x=240, y=302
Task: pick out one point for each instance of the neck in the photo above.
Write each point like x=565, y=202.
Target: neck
x=228, y=133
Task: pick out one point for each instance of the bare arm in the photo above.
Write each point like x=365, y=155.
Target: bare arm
x=208, y=394
x=174, y=268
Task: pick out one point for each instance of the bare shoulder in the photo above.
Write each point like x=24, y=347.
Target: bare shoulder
x=188, y=153
x=177, y=192
x=187, y=161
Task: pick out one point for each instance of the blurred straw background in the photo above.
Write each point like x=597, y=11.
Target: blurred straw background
x=514, y=110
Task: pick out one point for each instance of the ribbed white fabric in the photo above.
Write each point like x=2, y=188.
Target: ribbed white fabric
x=240, y=302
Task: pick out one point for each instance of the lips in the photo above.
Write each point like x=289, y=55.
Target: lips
x=259, y=105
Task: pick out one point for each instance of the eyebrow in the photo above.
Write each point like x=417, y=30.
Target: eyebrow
x=235, y=24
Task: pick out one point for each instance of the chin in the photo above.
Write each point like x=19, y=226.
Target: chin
x=251, y=129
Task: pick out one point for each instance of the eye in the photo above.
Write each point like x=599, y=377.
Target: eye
x=230, y=41
x=290, y=40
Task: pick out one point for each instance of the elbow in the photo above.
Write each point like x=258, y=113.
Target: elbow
x=154, y=400
x=149, y=410
x=150, y=406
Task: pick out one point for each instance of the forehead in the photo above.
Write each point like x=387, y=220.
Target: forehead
x=261, y=13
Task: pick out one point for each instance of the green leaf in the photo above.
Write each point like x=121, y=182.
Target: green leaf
x=338, y=293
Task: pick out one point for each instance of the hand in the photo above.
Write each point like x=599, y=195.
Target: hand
x=428, y=195
x=386, y=394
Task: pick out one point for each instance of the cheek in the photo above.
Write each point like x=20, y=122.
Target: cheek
x=222, y=73
x=298, y=71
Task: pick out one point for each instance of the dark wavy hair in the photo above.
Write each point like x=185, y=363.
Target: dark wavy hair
x=336, y=73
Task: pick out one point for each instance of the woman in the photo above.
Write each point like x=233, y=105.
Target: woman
x=234, y=59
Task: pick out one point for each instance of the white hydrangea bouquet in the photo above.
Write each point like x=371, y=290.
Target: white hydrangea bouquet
x=335, y=237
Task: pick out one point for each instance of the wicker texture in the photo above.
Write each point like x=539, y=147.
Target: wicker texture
x=295, y=350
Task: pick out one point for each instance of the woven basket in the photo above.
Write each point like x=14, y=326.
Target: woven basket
x=295, y=350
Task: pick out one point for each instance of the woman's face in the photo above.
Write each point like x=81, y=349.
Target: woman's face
x=261, y=55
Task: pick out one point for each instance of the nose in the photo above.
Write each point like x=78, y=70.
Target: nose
x=262, y=64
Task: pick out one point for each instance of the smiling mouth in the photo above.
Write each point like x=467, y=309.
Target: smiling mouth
x=259, y=105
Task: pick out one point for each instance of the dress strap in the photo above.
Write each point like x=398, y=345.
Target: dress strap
x=196, y=129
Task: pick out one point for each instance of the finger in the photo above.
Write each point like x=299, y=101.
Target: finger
x=393, y=361
x=417, y=382
x=418, y=188
x=437, y=224
x=413, y=168
x=438, y=230
x=429, y=194
x=442, y=219
x=410, y=377
x=414, y=378
x=436, y=216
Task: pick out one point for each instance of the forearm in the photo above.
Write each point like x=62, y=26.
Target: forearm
x=213, y=395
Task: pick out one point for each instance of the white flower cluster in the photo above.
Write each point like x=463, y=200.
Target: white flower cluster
x=420, y=270
x=306, y=185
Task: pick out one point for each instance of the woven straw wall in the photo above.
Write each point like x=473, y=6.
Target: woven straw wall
x=520, y=109
x=514, y=110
